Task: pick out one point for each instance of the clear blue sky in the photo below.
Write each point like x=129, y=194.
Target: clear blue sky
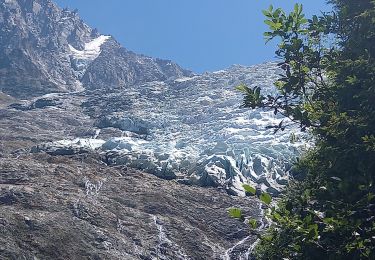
x=201, y=35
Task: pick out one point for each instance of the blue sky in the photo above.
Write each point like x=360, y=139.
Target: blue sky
x=201, y=35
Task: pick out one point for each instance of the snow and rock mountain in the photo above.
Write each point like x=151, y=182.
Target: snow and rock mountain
x=45, y=49
x=173, y=124
x=87, y=123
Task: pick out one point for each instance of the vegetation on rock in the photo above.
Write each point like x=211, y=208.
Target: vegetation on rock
x=327, y=88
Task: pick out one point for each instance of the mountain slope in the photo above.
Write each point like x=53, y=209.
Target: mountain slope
x=116, y=67
x=70, y=161
x=45, y=49
x=77, y=208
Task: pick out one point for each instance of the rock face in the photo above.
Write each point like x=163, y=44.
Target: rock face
x=78, y=208
x=116, y=67
x=44, y=49
x=34, y=47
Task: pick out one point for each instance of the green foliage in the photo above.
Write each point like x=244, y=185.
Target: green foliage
x=253, y=97
x=249, y=190
x=326, y=87
x=235, y=213
x=266, y=198
x=252, y=223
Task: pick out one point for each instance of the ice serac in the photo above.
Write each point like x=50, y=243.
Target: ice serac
x=192, y=129
x=46, y=49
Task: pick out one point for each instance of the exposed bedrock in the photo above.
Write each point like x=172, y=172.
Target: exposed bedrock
x=75, y=208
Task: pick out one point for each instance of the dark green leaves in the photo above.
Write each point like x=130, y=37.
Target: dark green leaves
x=248, y=189
x=282, y=25
x=266, y=198
x=303, y=60
x=252, y=96
x=327, y=87
x=313, y=231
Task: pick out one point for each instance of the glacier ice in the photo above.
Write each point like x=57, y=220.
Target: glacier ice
x=193, y=130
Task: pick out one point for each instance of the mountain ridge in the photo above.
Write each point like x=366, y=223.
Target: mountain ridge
x=36, y=57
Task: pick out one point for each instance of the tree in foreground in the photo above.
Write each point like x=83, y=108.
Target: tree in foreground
x=328, y=88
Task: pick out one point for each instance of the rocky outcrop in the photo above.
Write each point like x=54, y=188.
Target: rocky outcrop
x=124, y=123
x=77, y=208
x=6, y=100
x=41, y=102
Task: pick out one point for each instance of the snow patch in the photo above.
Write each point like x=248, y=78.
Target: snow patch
x=91, y=144
x=92, y=49
x=183, y=79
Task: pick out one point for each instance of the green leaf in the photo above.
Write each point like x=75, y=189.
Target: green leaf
x=277, y=12
x=362, y=187
x=269, y=23
x=296, y=8
x=243, y=88
x=266, y=198
x=257, y=93
x=266, y=13
x=277, y=26
x=249, y=189
x=235, y=213
x=315, y=19
x=276, y=216
x=308, y=219
x=303, y=21
x=253, y=223
x=305, y=69
x=267, y=34
x=313, y=231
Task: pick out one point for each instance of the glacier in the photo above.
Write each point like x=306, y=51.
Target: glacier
x=193, y=130
x=197, y=133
